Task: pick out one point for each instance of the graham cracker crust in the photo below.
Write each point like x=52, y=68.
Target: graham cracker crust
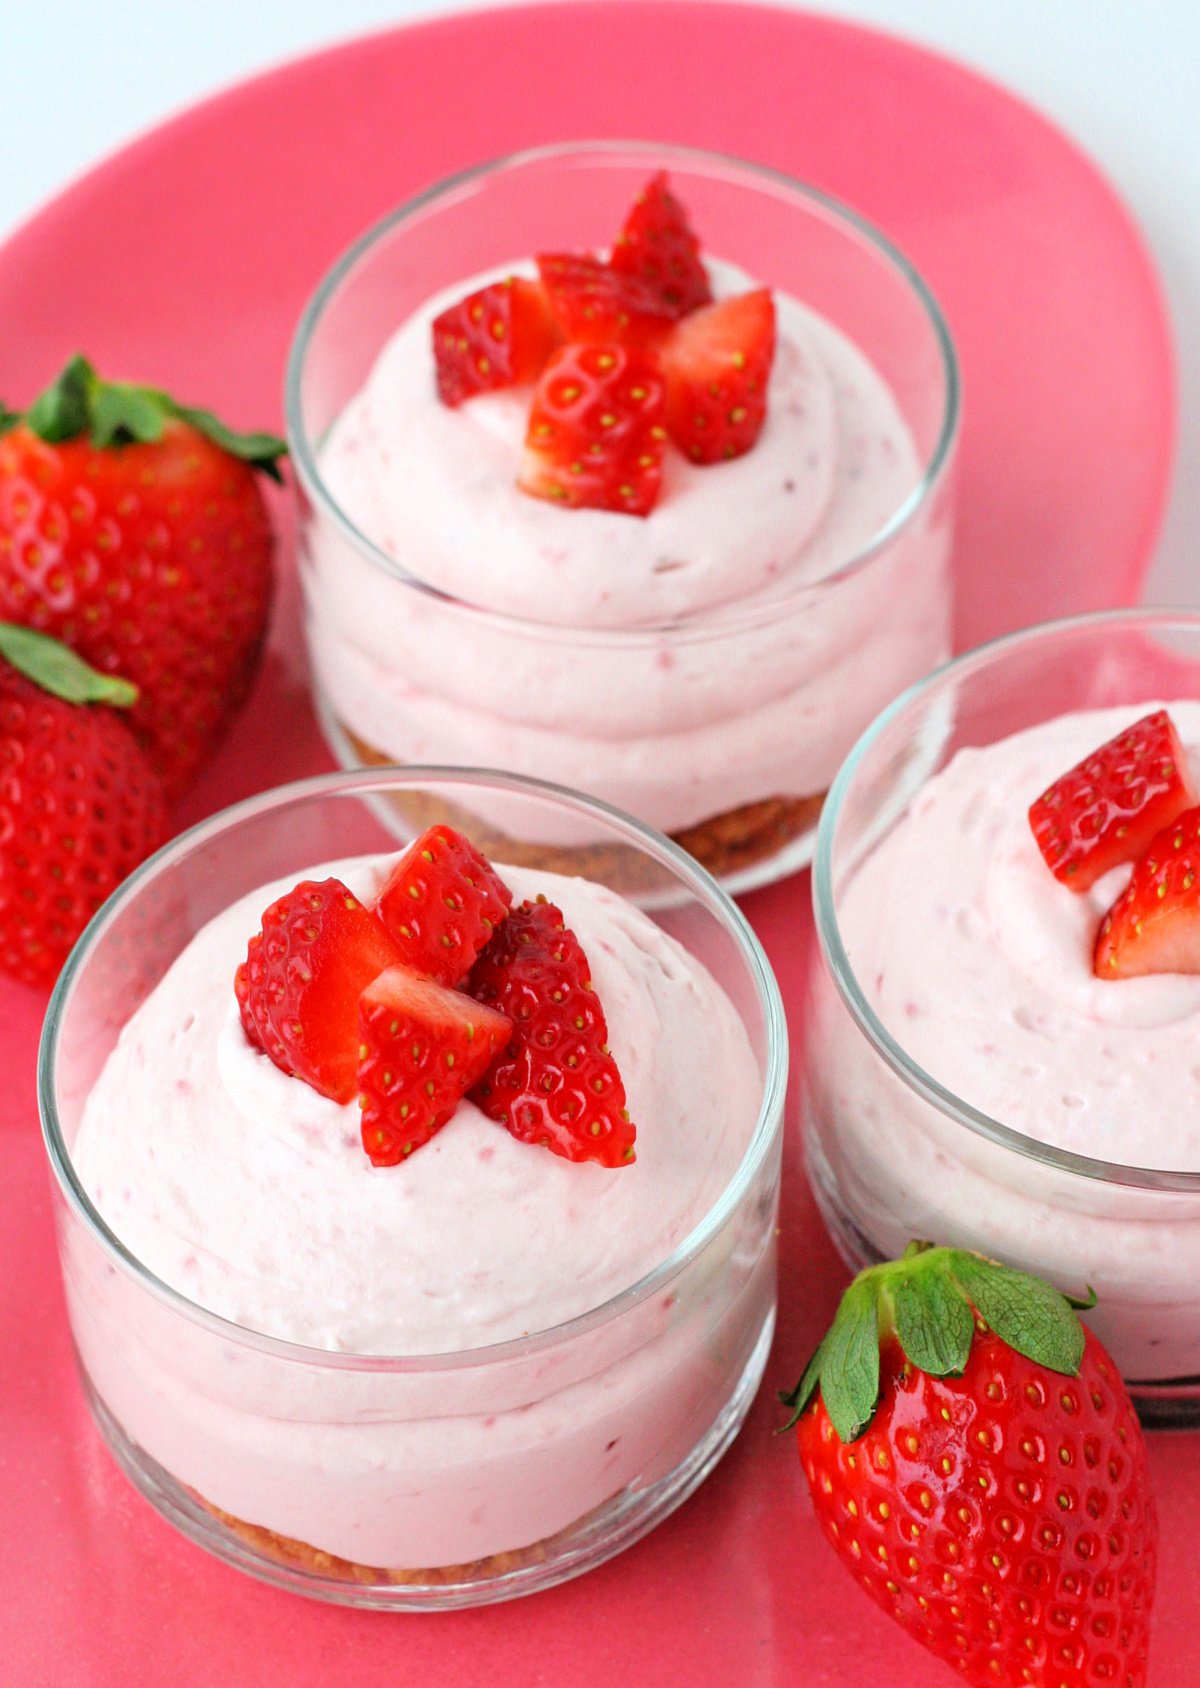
x=302, y=1556
x=724, y=844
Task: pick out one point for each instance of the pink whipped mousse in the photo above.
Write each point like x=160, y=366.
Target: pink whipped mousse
x=250, y=1193
x=679, y=666
x=978, y=963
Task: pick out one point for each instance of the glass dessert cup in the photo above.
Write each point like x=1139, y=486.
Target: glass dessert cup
x=724, y=727
x=892, y=1153
x=476, y=1475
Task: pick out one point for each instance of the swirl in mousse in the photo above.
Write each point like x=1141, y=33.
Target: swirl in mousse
x=632, y=486
x=422, y=1106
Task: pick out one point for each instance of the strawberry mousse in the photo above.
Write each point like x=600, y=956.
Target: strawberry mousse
x=421, y=1107
x=1055, y=876
x=634, y=503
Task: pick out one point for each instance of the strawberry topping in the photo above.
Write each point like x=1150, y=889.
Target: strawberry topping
x=441, y=904
x=1154, y=925
x=657, y=246
x=595, y=431
x=499, y=336
x=299, y=985
x=593, y=303
x=556, y=1083
x=421, y=1049
x=717, y=363
x=1106, y=810
x=336, y=998
x=598, y=425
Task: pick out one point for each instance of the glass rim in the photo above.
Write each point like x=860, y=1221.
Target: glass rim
x=708, y=891
x=724, y=618
x=833, y=950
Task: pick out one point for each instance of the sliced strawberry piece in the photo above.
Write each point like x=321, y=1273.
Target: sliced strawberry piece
x=421, y=1048
x=718, y=363
x=593, y=303
x=1154, y=925
x=595, y=434
x=299, y=985
x=657, y=246
x=498, y=336
x=441, y=904
x=556, y=1083
x=1106, y=810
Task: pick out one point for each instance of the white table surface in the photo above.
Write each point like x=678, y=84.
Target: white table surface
x=1121, y=76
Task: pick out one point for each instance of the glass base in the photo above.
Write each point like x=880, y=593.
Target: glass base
x=1162, y=1403
x=794, y=853
x=604, y=1532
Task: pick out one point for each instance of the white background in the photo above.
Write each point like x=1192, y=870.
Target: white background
x=1122, y=76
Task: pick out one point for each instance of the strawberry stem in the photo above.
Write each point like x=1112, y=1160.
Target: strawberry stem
x=57, y=670
x=929, y=1301
x=117, y=413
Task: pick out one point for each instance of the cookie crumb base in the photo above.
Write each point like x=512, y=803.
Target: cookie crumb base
x=302, y=1556
x=725, y=844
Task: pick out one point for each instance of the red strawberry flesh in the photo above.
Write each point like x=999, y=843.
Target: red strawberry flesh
x=718, y=364
x=299, y=987
x=962, y=1554
x=441, y=904
x=1154, y=925
x=595, y=434
x=1106, y=810
x=595, y=304
x=975, y=1462
x=498, y=336
x=421, y=1049
x=556, y=1083
x=80, y=807
x=657, y=246
x=151, y=556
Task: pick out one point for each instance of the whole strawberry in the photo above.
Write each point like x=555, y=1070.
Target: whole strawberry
x=133, y=529
x=975, y=1461
x=80, y=806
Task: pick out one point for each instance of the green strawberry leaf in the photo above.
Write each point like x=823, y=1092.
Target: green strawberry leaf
x=850, y=1364
x=797, y=1399
x=56, y=669
x=117, y=413
x=933, y=1321
x=122, y=414
x=8, y=418
x=64, y=410
x=261, y=451
x=1024, y=1311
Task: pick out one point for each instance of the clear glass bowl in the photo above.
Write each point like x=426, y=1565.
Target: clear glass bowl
x=892, y=1152
x=413, y=1480
x=722, y=727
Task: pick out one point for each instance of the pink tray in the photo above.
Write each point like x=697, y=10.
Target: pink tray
x=186, y=259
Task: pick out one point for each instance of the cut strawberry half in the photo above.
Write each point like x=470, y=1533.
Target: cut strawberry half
x=421, y=1048
x=299, y=985
x=595, y=434
x=1106, y=810
x=1154, y=925
x=658, y=247
x=593, y=303
x=441, y=904
x=718, y=363
x=556, y=1084
x=499, y=336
